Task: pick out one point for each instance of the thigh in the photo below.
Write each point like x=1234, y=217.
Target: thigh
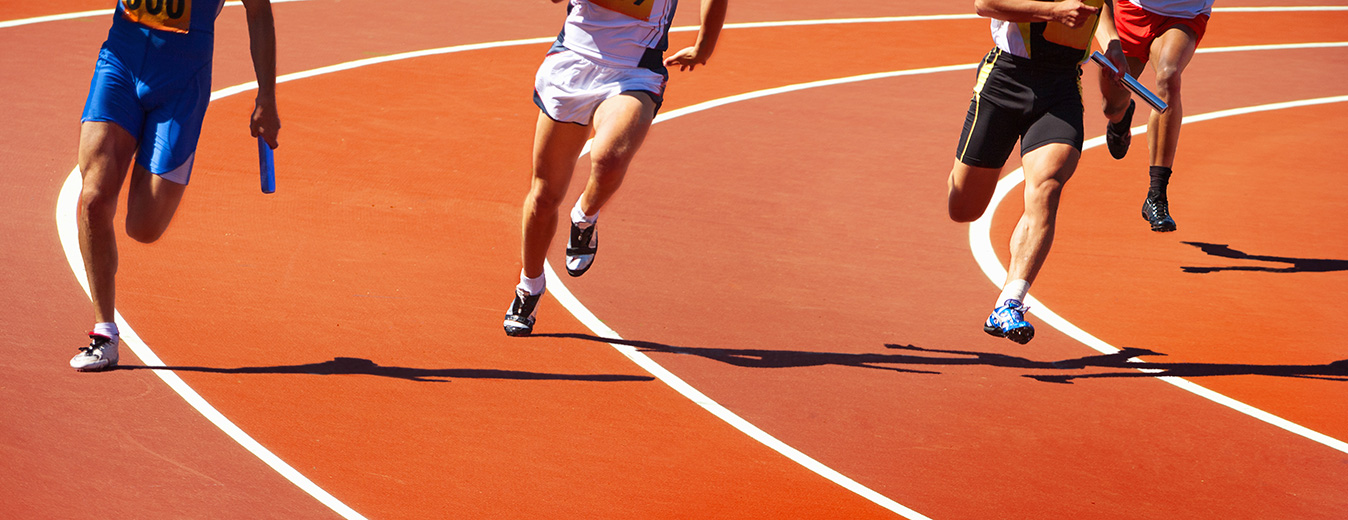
x=105, y=153
x=621, y=124
x=151, y=201
x=1173, y=49
x=557, y=145
x=168, y=144
x=970, y=189
x=990, y=133
x=1052, y=163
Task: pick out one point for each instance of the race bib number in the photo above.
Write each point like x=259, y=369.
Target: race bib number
x=639, y=9
x=165, y=15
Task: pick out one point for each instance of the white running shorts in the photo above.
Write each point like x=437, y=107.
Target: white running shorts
x=569, y=87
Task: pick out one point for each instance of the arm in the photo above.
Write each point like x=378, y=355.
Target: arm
x=265, y=122
x=1071, y=13
x=713, y=18
x=1107, y=36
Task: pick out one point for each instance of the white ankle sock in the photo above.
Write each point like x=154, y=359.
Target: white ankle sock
x=532, y=285
x=106, y=328
x=578, y=215
x=1014, y=290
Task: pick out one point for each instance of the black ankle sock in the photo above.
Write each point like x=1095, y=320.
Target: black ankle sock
x=1160, y=179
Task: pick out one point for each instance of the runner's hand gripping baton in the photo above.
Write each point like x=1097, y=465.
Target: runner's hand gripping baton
x=266, y=166
x=1131, y=82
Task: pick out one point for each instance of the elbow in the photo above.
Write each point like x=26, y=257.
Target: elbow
x=981, y=8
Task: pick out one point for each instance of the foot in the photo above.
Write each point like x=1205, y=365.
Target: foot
x=581, y=247
x=101, y=354
x=1119, y=135
x=1156, y=211
x=1008, y=321
x=519, y=320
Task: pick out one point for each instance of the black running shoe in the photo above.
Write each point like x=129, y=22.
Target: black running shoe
x=519, y=320
x=1156, y=210
x=1119, y=135
x=580, y=248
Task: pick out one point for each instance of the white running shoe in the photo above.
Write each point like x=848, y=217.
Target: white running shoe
x=581, y=247
x=519, y=320
x=101, y=354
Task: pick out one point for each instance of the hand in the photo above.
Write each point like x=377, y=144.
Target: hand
x=686, y=59
x=1073, y=13
x=265, y=123
x=1114, y=52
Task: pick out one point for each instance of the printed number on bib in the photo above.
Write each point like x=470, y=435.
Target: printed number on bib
x=639, y=9
x=165, y=15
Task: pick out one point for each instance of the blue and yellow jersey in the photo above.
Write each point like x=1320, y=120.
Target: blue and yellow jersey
x=172, y=28
x=1048, y=44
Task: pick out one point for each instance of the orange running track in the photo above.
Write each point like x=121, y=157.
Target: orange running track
x=786, y=255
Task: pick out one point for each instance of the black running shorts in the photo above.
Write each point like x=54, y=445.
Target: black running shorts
x=1014, y=99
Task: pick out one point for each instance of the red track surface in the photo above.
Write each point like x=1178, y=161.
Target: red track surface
x=789, y=256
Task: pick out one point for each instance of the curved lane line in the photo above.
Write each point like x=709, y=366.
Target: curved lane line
x=980, y=242
x=66, y=209
x=66, y=204
x=66, y=225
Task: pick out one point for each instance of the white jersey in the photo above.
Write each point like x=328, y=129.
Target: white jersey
x=1176, y=8
x=624, y=33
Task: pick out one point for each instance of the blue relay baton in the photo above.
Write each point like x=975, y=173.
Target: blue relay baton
x=1131, y=82
x=266, y=166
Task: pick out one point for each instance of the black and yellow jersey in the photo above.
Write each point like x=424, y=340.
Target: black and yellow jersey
x=1048, y=44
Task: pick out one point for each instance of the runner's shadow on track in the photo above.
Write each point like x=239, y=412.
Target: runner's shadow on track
x=1295, y=265
x=762, y=358
x=358, y=366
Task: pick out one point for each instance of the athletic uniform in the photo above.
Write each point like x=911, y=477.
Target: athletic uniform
x=1141, y=21
x=1028, y=89
x=606, y=47
x=153, y=78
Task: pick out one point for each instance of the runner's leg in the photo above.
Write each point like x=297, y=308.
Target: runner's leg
x=105, y=154
x=556, y=148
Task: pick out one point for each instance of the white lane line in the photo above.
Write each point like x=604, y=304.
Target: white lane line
x=980, y=242
x=559, y=290
x=91, y=14
x=67, y=230
x=568, y=300
x=66, y=209
x=66, y=204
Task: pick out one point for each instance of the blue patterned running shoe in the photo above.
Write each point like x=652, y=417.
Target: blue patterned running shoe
x=1008, y=321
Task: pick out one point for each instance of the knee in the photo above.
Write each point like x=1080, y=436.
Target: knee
x=1043, y=196
x=610, y=165
x=143, y=233
x=98, y=204
x=144, y=229
x=962, y=213
x=545, y=196
x=1167, y=80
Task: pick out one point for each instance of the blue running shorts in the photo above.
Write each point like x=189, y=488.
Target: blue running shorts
x=161, y=105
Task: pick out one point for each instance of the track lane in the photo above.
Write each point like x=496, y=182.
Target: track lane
x=556, y=310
